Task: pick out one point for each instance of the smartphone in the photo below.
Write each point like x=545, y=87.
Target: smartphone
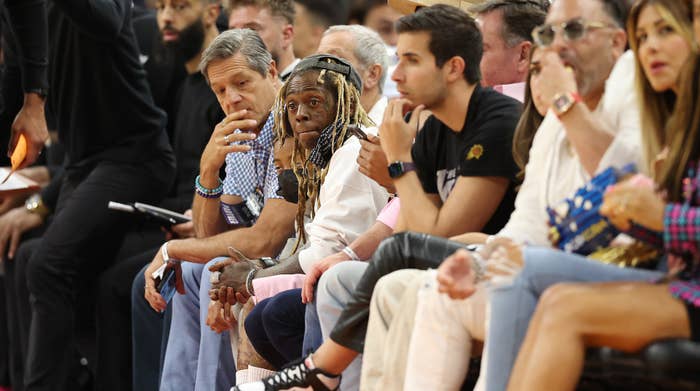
x=165, y=282
x=357, y=132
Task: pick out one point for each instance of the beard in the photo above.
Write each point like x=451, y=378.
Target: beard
x=189, y=41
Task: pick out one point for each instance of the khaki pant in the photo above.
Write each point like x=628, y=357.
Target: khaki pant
x=392, y=311
x=417, y=338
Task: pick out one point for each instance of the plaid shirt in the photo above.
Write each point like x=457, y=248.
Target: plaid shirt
x=681, y=240
x=682, y=230
x=248, y=171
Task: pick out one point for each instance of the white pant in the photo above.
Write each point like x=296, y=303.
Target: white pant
x=419, y=338
x=391, y=315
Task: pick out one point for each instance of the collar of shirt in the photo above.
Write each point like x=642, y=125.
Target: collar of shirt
x=288, y=70
x=376, y=113
x=514, y=90
x=261, y=146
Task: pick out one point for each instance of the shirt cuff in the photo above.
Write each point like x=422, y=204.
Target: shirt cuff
x=680, y=227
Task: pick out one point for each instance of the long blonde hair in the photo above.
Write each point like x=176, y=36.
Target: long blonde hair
x=530, y=120
x=682, y=133
x=658, y=107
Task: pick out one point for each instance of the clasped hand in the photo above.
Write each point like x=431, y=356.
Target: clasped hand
x=634, y=200
x=457, y=276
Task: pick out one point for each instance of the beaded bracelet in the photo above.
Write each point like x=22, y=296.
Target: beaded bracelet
x=206, y=192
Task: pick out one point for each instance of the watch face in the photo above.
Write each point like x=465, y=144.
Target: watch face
x=395, y=169
x=561, y=102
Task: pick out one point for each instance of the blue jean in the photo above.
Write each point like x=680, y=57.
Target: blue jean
x=513, y=305
x=312, y=329
x=335, y=289
x=197, y=358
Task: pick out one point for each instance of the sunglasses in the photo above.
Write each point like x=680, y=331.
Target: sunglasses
x=572, y=30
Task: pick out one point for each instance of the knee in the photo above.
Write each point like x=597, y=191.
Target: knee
x=253, y=323
x=339, y=281
x=561, y=307
x=276, y=320
x=390, y=288
x=536, y=262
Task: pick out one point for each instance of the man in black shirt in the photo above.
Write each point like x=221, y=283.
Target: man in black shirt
x=186, y=29
x=116, y=150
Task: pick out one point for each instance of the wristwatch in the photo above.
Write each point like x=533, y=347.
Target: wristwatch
x=398, y=168
x=564, y=102
x=34, y=204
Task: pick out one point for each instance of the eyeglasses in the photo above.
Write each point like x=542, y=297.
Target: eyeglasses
x=573, y=30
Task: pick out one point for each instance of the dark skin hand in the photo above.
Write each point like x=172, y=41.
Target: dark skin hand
x=233, y=275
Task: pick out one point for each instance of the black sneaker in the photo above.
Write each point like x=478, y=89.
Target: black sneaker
x=296, y=374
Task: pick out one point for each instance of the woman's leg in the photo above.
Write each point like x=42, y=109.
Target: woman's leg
x=624, y=316
x=513, y=304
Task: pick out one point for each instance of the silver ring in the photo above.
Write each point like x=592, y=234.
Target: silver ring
x=226, y=138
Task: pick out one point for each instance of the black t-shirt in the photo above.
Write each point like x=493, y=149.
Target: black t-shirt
x=197, y=114
x=483, y=148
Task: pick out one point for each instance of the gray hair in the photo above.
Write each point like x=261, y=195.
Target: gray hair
x=369, y=48
x=230, y=42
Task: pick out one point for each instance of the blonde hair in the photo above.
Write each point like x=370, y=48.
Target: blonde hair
x=657, y=107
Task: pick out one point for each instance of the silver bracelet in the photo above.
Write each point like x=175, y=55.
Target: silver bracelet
x=249, y=282
x=350, y=253
x=479, y=266
x=164, y=252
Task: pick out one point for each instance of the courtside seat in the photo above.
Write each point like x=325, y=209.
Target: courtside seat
x=672, y=364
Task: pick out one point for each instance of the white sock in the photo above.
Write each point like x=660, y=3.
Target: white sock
x=241, y=376
x=256, y=373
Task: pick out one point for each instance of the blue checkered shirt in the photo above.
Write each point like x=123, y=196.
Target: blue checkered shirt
x=255, y=169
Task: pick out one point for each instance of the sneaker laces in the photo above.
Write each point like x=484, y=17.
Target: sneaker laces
x=292, y=376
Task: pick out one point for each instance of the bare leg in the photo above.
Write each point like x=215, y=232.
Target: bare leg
x=333, y=357
x=246, y=352
x=571, y=317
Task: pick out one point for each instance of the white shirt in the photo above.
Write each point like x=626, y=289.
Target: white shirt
x=554, y=172
x=349, y=205
x=377, y=115
x=389, y=89
x=286, y=71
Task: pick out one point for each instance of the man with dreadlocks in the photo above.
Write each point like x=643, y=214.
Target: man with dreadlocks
x=318, y=103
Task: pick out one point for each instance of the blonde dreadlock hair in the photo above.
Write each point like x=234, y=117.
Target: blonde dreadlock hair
x=339, y=77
